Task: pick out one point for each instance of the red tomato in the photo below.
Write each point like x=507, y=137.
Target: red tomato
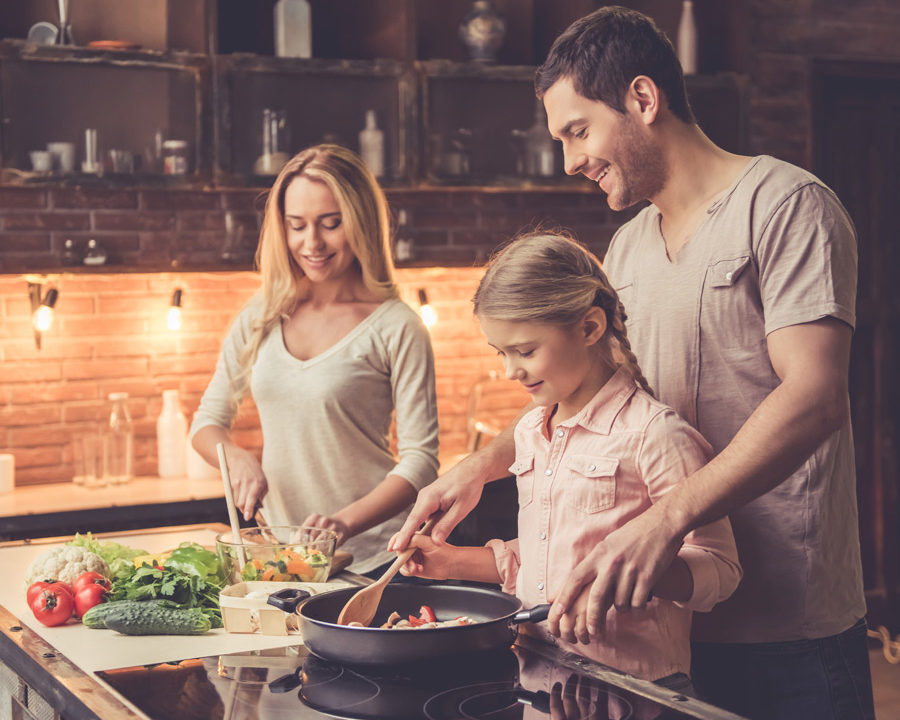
x=89, y=578
x=36, y=588
x=89, y=595
x=53, y=606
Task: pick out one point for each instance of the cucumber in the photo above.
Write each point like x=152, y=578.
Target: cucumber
x=96, y=617
x=144, y=618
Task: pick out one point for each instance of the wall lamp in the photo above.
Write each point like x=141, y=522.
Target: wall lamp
x=429, y=316
x=173, y=319
x=41, y=309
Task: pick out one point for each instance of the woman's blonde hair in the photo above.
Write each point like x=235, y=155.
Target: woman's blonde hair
x=550, y=278
x=366, y=223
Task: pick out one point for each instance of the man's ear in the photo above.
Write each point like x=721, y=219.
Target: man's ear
x=644, y=97
x=594, y=325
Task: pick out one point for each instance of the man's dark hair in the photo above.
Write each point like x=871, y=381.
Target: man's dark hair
x=604, y=51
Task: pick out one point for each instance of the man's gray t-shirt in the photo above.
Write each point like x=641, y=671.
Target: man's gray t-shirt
x=776, y=249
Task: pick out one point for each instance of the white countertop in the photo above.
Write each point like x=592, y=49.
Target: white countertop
x=93, y=650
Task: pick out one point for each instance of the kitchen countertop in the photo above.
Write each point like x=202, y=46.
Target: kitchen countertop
x=67, y=670
x=59, y=662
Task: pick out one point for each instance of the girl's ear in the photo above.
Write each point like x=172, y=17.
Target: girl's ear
x=594, y=325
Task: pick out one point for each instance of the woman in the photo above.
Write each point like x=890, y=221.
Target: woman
x=327, y=351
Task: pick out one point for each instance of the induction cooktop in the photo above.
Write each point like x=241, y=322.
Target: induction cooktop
x=524, y=681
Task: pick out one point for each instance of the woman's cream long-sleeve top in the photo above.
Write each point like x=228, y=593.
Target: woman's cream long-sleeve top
x=326, y=421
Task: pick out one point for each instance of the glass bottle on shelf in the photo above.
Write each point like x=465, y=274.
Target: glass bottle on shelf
x=539, y=147
x=118, y=442
x=403, y=246
x=687, y=38
x=274, y=143
x=371, y=145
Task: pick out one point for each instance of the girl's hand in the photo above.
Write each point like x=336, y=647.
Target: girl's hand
x=430, y=560
x=330, y=523
x=248, y=481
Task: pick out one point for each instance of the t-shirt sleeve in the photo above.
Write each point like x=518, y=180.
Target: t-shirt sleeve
x=229, y=384
x=415, y=398
x=807, y=259
x=671, y=451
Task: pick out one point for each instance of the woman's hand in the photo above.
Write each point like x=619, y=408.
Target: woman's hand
x=326, y=522
x=248, y=481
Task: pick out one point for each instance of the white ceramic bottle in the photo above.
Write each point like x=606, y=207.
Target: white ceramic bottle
x=687, y=38
x=197, y=467
x=293, y=29
x=371, y=145
x=171, y=432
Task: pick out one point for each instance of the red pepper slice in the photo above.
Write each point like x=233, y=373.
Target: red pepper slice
x=427, y=614
x=416, y=622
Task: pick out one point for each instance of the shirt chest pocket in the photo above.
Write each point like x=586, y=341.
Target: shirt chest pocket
x=590, y=483
x=731, y=309
x=523, y=469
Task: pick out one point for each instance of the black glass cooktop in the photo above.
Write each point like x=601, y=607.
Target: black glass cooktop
x=525, y=681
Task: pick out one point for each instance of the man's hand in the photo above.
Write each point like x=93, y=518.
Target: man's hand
x=620, y=571
x=455, y=494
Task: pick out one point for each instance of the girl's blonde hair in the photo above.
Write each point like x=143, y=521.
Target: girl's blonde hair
x=366, y=223
x=551, y=278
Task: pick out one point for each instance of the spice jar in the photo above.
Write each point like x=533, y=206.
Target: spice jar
x=175, y=157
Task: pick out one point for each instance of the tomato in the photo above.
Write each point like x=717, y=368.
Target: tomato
x=89, y=595
x=427, y=614
x=53, y=606
x=36, y=588
x=90, y=578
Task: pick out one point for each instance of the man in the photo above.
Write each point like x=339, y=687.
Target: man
x=739, y=281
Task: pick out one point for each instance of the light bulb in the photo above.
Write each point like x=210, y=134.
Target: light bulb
x=174, y=318
x=429, y=316
x=42, y=318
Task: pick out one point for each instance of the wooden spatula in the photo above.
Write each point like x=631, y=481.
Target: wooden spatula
x=362, y=606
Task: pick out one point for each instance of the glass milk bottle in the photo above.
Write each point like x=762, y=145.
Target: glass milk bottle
x=171, y=432
x=118, y=442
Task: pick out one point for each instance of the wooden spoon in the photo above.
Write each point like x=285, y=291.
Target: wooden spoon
x=362, y=606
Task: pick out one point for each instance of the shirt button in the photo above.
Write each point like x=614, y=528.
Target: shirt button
x=543, y=536
x=728, y=275
x=540, y=586
x=559, y=433
x=592, y=467
x=548, y=471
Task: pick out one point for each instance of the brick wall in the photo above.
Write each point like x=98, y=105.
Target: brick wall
x=784, y=38
x=110, y=334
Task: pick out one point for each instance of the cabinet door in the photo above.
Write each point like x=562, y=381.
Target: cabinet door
x=320, y=101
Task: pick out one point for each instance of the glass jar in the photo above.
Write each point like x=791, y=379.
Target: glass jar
x=175, y=157
x=118, y=442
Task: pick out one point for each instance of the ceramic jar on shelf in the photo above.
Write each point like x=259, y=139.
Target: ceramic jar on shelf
x=482, y=31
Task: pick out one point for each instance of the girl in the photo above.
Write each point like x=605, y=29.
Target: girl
x=596, y=451
x=328, y=352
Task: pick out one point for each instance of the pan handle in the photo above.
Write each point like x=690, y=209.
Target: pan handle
x=287, y=599
x=286, y=683
x=535, y=614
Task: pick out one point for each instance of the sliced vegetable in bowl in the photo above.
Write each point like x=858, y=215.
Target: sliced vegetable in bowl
x=277, y=554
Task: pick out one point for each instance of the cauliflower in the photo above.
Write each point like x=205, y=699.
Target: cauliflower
x=65, y=563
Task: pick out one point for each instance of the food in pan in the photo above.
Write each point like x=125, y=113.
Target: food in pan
x=425, y=619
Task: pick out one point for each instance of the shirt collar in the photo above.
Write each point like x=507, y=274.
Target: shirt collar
x=601, y=410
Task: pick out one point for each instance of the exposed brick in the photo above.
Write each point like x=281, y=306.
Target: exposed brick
x=46, y=221
x=23, y=198
x=194, y=221
x=247, y=201
x=24, y=242
x=179, y=200
x=80, y=198
x=120, y=368
x=111, y=220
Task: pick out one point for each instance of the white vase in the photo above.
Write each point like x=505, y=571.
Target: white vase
x=687, y=38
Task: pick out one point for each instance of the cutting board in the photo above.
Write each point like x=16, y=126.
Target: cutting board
x=82, y=645
x=340, y=561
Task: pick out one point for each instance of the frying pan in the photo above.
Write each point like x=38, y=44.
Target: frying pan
x=495, y=617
